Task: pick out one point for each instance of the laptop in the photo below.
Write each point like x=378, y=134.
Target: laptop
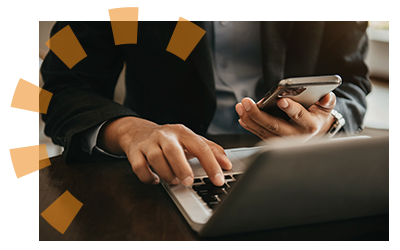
x=287, y=184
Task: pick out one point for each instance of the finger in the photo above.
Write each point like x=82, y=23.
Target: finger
x=188, y=155
x=219, y=154
x=273, y=124
x=255, y=128
x=252, y=126
x=325, y=104
x=247, y=127
x=157, y=161
x=297, y=113
x=200, y=149
x=176, y=158
x=141, y=168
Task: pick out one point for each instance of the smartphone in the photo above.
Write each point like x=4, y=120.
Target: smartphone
x=304, y=90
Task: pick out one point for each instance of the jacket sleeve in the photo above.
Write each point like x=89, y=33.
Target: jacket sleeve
x=343, y=51
x=82, y=96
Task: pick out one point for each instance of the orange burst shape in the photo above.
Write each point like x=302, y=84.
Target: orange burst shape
x=124, y=23
x=67, y=47
x=185, y=38
x=62, y=212
x=181, y=18
x=30, y=97
x=29, y=159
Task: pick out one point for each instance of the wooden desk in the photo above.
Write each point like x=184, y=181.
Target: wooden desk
x=117, y=206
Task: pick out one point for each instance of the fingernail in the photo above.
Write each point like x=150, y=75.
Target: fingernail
x=219, y=179
x=156, y=180
x=239, y=109
x=229, y=165
x=187, y=181
x=283, y=103
x=227, y=161
x=331, y=98
x=246, y=104
x=242, y=123
x=175, y=181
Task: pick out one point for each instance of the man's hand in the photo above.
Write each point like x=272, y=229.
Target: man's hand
x=315, y=121
x=165, y=148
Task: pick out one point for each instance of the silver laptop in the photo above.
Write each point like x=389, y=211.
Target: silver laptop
x=288, y=184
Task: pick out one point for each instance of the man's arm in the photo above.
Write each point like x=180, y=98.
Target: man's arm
x=343, y=50
x=82, y=96
x=166, y=148
x=82, y=99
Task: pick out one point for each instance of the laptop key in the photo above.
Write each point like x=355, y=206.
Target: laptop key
x=207, y=187
x=209, y=198
x=213, y=191
x=208, y=181
x=228, y=177
x=212, y=205
x=202, y=187
x=195, y=181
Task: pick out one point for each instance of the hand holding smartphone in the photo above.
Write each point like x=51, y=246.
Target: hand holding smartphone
x=304, y=90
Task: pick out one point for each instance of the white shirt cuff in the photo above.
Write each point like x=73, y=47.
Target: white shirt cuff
x=89, y=141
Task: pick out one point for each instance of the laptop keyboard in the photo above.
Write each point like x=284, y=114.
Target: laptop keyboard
x=210, y=194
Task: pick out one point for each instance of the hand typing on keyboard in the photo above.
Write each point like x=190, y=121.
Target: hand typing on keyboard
x=165, y=148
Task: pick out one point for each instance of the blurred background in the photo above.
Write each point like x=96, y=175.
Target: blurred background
x=376, y=119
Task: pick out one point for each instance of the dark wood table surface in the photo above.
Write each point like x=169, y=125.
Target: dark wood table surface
x=117, y=206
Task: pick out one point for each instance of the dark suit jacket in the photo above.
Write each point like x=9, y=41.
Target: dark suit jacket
x=163, y=88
